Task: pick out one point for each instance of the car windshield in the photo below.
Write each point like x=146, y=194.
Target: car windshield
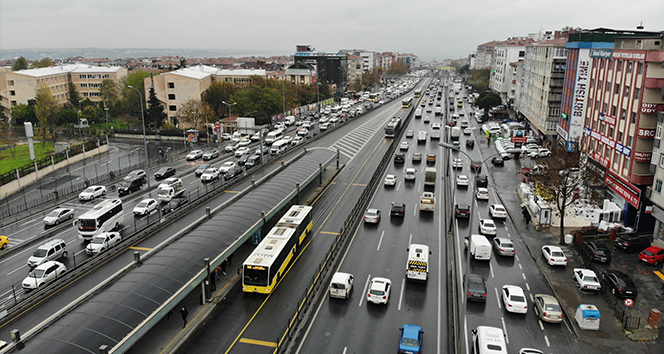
x=590, y=279
x=376, y=292
x=557, y=254
x=506, y=245
x=98, y=240
x=125, y=184
x=647, y=253
x=89, y=190
x=53, y=214
x=475, y=285
x=37, y=273
x=39, y=253
x=163, y=170
x=142, y=205
x=209, y=171
x=409, y=342
x=517, y=298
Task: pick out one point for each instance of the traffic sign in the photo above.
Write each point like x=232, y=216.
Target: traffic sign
x=519, y=139
x=629, y=302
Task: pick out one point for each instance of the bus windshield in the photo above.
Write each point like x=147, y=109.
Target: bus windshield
x=255, y=275
x=87, y=224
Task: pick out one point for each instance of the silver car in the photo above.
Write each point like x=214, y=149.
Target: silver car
x=504, y=246
x=58, y=215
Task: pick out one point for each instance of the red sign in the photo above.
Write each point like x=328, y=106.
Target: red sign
x=646, y=133
x=629, y=302
x=623, y=188
x=650, y=108
x=607, y=119
x=217, y=127
x=642, y=156
x=601, y=159
x=519, y=139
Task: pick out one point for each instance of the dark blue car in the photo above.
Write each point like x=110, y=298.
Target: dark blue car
x=410, y=340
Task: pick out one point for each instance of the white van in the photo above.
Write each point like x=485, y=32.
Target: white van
x=289, y=120
x=273, y=136
x=341, y=285
x=418, y=113
x=279, y=146
x=488, y=340
x=417, y=267
x=480, y=247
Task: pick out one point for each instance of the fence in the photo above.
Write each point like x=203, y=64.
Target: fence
x=319, y=280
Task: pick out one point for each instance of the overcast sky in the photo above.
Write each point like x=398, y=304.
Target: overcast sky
x=431, y=29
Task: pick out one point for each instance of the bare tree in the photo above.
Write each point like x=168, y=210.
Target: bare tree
x=45, y=109
x=8, y=136
x=563, y=179
x=194, y=111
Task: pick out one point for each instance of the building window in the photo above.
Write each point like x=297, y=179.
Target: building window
x=10, y=82
x=12, y=93
x=592, y=83
x=608, y=87
x=85, y=94
x=172, y=108
x=619, y=65
x=623, y=114
x=620, y=136
x=633, y=117
x=606, y=107
x=616, y=89
x=171, y=85
x=629, y=67
x=640, y=68
x=616, y=159
x=171, y=96
x=626, y=92
x=614, y=111
x=637, y=93
x=661, y=159
x=600, y=85
x=82, y=76
x=630, y=140
x=84, y=85
x=106, y=76
x=14, y=103
x=611, y=132
x=658, y=186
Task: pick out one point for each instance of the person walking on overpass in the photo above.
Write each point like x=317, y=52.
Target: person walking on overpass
x=184, y=314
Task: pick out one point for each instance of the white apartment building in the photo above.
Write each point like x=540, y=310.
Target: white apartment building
x=506, y=53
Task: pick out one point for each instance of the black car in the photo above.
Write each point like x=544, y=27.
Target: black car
x=398, y=209
x=476, y=166
x=620, y=284
x=175, y=203
x=399, y=157
x=164, y=172
x=232, y=172
x=497, y=161
x=481, y=181
x=199, y=171
x=252, y=161
x=243, y=160
x=127, y=187
x=597, y=252
x=476, y=287
x=633, y=243
x=470, y=143
x=462, y=211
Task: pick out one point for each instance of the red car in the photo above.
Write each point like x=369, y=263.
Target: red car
x=652, y=255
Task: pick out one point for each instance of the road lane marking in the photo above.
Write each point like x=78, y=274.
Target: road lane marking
x=541, y=325
x=140, y=248
x=491, y=271
x=528, y=286
x=366, y=286
x=258, y=342
x=659, y=274
x=403, y=285
x=15, y=270
x=235, y=192
x=532, y=299
x=498, y=298
x=520, y=267
x=398, y=185
x=329, y=233
x=358, y=185
x=380, y=241
x=523, y=275
x=507, y=339
x=546, y=339
x=410, y=240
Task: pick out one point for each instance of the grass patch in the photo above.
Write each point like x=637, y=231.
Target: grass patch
x=8, y=162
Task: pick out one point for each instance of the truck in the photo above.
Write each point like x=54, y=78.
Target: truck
x=430, y=176
x=428, y=200
x=174, y=190
x=418, y=113
x=456, y=133
x=439, y=110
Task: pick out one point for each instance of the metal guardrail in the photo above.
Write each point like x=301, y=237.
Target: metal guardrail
x=319, y=280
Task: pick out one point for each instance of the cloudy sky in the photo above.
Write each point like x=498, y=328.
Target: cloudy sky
x=432, y=29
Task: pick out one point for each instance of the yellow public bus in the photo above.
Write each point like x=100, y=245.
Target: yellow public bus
x=269, y=262
x=418, y=93
x=407, y=102
x=460, y=103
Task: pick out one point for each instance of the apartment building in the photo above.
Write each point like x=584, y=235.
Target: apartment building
x=355, y=65
x=176, y=87
x=484, y=55
x=620, y=128
x=17, y=87
x=505, y=54
x=385, y=60
x=538, y=94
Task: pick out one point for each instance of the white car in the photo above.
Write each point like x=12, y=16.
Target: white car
x=462, y=180
x=482, y=193
x=303, y=132
x=92, y=192
x=102, y=242
x=554, y=255
x=487, y=227
x=244, y=142
x=297, y=140
x=390, y=180
x=227, y=166
x=497, y=211
x=210, y=174
x=410, y=174
x=541, y=152
x=194, y=155
x=467, y=131
x=229, y=148
x=586, y=279
x=241, y=151
x=211, y=154
x=403, y=145
x=379, y=290
x=43, y=274
x=457, y=163
x=514, y=299
x=145, y=206
x=372, y=216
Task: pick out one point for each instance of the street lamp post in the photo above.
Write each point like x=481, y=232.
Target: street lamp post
x=229, y=110
x=106, y=109
x=145, y=141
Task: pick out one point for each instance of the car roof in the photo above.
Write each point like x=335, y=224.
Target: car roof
x=503, y=239
x=547, y=297
x=411, y=331
x=482, y=189
x=553, y=248
x=514, y=289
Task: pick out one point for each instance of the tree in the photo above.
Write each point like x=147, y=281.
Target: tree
x=398, y=67
x=565, y=179
x=216, y=94
x=45, y=109
x=109, y=92
x=132, y=102
x=20, y=64
x=194, y=111
x=43, y=63
x=488, y=99
x=155, y=114
x=183, y=63
x=74, y=97
x=8, y=136
x=22, y=113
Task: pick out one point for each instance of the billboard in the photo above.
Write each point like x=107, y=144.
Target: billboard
x=581, y=86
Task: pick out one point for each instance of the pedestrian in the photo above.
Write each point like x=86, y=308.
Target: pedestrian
x=216, y=273
x=213, y=282
x=223, y=266
x=184, y=314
